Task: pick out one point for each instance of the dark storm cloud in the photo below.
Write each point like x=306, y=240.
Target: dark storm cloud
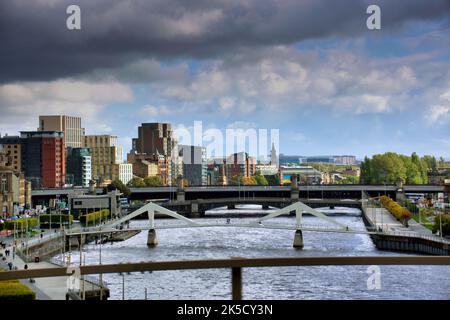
x=35, y=44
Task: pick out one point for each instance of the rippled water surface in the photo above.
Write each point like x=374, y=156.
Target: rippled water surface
x=318, y=282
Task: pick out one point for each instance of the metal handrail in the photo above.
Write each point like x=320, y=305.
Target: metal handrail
x=236, y=265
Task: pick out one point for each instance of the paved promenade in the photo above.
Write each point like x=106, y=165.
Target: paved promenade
x=387, y=222
x=54, y=288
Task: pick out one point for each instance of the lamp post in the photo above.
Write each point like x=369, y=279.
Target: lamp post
x=123, y=286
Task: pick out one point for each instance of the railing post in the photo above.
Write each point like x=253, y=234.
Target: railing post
x=236, y=283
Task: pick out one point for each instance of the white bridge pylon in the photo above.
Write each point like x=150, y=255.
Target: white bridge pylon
x=300, y=208
x=152, y=208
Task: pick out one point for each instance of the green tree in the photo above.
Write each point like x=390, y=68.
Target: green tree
x=366, y=172
x=136, y=182
x=421, y=168
x=348, y=179
x=153, y=181
x=236, y=180
x=261, y=180
x=413, y=172
x=119, y=185
x=430, y=162
x=390, y=167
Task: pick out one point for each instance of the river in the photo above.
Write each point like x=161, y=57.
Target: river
x=317, y=282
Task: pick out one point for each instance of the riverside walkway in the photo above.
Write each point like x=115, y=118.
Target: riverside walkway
x=54, y=288
x=382, y=219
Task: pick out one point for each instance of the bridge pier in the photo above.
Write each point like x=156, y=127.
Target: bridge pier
x=181, y=195
x=152, y=239
x=298, y=239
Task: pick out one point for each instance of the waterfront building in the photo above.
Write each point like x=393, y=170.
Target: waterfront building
x=85, y=203
x=69, y=125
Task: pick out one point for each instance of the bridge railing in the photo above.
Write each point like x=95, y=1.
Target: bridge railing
x=412, y=234
x=235, y=264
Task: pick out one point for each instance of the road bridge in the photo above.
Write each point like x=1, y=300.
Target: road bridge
x=42, y=196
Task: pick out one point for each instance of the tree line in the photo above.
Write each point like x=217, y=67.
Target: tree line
x=391, y=167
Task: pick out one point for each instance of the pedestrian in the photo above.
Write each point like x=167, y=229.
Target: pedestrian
x=10, y=265
x=25, y=266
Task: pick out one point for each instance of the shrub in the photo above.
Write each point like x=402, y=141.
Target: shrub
x=21, y=224
x=95, y=217
x=400, y=213
x=15, y=290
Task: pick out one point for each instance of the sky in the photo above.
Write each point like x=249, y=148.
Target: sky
x=311, y=69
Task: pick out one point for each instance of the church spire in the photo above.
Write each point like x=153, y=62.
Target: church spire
x=273, y=155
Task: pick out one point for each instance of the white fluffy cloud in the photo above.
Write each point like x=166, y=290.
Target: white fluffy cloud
x=440, y=113
x=286, y=78
x=22, y=103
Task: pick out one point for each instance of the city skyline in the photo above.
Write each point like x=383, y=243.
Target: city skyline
x=342, y=89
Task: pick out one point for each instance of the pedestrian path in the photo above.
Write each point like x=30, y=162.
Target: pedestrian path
x=54, y=288
x=385, y=221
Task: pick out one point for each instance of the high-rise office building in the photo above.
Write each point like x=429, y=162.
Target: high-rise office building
x=79, y=166
x=194, y=164
x=70, y=126
x=155, y=140
x=106, y=155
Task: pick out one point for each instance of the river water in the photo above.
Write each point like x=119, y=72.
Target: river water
x=316, y=282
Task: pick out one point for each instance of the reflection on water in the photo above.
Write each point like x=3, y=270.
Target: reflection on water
x=318, y=282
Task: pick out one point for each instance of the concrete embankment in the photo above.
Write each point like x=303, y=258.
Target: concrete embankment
x=48, y=245
x=394, y=236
